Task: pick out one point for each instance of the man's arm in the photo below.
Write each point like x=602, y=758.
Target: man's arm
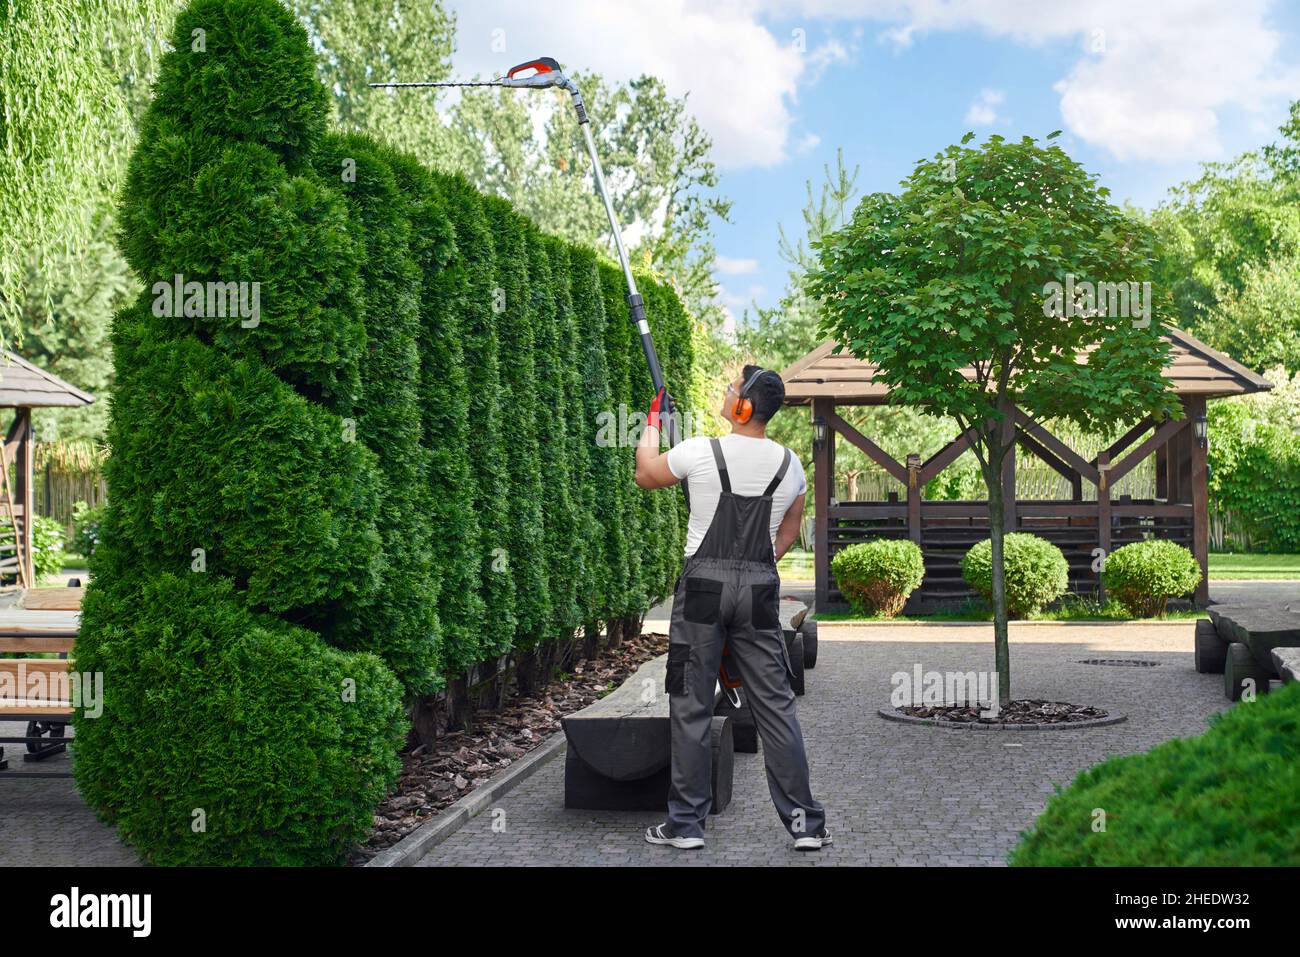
x=652, y=469
x=788, y=531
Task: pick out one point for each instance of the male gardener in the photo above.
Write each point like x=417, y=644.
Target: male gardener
x=746, y=495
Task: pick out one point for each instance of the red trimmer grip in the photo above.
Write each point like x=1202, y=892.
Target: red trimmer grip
x=543, y=64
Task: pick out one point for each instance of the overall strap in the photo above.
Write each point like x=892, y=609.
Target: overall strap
x=722, y=464
x=780, y=474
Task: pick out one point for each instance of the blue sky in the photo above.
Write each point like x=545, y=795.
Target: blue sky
x=1144, y=90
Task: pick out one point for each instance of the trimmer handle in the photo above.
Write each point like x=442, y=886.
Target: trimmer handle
x=548, y=73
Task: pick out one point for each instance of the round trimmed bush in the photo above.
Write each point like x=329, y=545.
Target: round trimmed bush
x=1143, y=576
x=1229, y=797
x=878, y=576
x=1036, y=572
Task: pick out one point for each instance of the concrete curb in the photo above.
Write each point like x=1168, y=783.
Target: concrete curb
x=430, y=834
x=889, y=714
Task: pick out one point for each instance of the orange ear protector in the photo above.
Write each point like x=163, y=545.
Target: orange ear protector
x=744, y=408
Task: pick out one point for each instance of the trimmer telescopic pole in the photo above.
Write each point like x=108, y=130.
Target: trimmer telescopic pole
x=549, y=74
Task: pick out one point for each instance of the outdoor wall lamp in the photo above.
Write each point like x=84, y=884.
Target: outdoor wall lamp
x=1201, y=429
x=819, y=433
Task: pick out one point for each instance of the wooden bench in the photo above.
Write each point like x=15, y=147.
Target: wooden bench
x=620, y=750
x=1242, y=643
x=38, y=690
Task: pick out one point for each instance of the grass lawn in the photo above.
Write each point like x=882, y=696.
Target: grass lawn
x=1229, y=566
x=796, y=563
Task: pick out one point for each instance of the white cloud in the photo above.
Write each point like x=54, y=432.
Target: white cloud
x=1149, y=81
x=729, y=266
x=807, y=143
x=984, y=109
x=740, y=77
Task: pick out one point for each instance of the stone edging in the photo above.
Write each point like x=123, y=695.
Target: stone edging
x=889, y=714
x=430, y=834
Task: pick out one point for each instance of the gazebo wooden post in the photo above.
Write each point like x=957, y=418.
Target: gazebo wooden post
x=1103, y=513
x=823, y=487
x=1194, y=406
x=914, y=497
x=24, y=487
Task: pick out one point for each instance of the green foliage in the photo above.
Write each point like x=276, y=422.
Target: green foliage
x=1227, y=798
x=65, y=132
x=47, y=545
x=878, y=576
x=956, y=288
x=444, y=397
x=1144, y=575
x=399, y=618
x=488, y=447
x=1036, y=572
x=393, y=473
x=1254, y=467
x=86, y=522
x=245, y=530
x=526, y=545
x=1229, y=251
x=212, y=708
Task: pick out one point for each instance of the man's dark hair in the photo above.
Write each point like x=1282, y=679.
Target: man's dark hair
x=767, y=394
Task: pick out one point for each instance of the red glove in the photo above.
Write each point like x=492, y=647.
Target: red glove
x=652, y=417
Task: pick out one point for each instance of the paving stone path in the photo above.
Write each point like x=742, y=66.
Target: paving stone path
x=895, y=794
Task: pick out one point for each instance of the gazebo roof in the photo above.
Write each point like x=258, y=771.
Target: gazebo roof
x=23, y=385
x=1194, y=369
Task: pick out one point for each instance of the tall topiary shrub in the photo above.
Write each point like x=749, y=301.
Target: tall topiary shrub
x=548, y=264
x=480, y=324
x=526, y=546
x=606, y=566
x=240, y=519
x=452, y=518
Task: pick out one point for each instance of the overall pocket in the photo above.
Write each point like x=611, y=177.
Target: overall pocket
x=765, y=612
x=679, y=655
x=703, y=601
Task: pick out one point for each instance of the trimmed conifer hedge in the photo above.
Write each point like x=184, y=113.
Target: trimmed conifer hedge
x=417, y=456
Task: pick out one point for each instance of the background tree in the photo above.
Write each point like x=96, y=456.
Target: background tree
x=950, y=275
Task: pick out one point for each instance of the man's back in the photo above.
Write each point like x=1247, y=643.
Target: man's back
x=751, y=464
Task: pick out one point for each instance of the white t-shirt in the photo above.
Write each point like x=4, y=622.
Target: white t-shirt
x=752, y=463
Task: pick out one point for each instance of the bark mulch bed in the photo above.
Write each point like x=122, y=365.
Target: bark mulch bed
x=460, y=761
x=1023, y=712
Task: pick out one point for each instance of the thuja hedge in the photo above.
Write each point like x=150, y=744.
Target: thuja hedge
x=323, y=512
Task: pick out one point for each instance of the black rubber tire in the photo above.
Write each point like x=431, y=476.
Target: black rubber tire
x=809, y=631
x=1211, y=650
x=796, y=650
x=1241, y=667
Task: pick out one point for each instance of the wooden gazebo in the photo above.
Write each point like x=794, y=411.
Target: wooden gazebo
x=945, y=529
x=24, y=387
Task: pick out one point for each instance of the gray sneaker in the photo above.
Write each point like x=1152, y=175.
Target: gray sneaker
x=814, y=842
x=663, y=834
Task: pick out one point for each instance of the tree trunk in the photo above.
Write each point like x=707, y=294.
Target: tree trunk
x=614, y=628
x=424, y=720
x=459, y=711
x=591, y=640
x=997, y=530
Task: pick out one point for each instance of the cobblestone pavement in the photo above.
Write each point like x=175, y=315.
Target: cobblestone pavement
x=895, y=794
x=45, y=822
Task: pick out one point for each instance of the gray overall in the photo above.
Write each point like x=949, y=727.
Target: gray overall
x=729, y=592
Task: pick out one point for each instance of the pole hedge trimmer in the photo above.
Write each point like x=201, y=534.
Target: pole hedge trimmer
x=546, y=74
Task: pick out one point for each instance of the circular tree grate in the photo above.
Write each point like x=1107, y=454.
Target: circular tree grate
x=1120, y=662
